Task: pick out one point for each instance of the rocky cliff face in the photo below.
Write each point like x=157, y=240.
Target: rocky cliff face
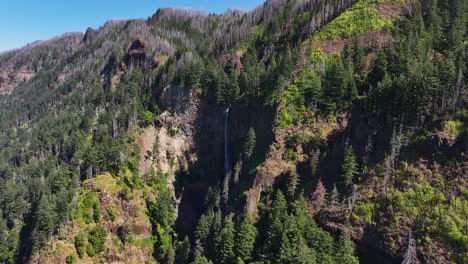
x=19, y=66
x=177, y=130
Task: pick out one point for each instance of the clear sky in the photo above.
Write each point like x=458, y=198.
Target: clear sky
x=25, y=21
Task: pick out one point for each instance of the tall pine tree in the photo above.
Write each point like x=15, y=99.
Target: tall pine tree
x=348, y=167
x=224, y=243
x=345, y=250
x=245, y=239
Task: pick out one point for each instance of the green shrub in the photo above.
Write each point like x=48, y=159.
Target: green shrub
x=290, y=155
x=163, y=242
x=97, y=238
x=125, y=193
x=294, y=106
x=88, y=203
x=432, y=212
x=81, y=242
x=126, y=232
x=455, y=128
x=90, y=250
x=363, y=212
x=96, y=212
x=70, y=259
x=111, y=214
x=148, y=118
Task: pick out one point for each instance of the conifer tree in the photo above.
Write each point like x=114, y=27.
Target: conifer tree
x=345, y=250
x=276, y=218
x=201, y=260
x=379, y=69
x=202, y=233
x=302, y=215
x=182, y=255
x=249, y=144
x=358, y=56
x=335, y=80
x=334, y=197
x=287, y=62
x=44, y=217
x=322, y=242
x=290, y=240
x=311, y=85
x=224, y=243
x=318, y=196
x=411, y=253
x=245, y=239
x=349, y=167
x=285, y=252
x=304, y=255
x=292, y=184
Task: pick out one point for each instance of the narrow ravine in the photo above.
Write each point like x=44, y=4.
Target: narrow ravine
x=227, y=162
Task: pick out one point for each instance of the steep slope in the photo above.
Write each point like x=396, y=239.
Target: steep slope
x=21, y=65
x=74, y=117
x=346, y=121
x=382, y=202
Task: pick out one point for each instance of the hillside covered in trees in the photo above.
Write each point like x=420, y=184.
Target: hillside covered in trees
x=303, y=131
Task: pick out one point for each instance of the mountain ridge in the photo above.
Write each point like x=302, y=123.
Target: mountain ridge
x=346, y=130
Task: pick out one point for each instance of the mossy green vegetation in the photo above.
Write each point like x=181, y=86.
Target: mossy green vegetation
x=455, y=128
x=363, y=212
x=97, y=238
x=318, y=91
x=361, y=18
x=58, y=139
x=285, y=233
x=431, y=212
x=89, y=208
x=457, y=124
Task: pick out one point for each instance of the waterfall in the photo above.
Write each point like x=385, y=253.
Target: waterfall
x=227, y=162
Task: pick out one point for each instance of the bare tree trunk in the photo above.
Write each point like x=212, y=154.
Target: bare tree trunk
x=411, y=254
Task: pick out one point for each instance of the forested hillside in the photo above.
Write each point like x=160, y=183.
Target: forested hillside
x=303, y=131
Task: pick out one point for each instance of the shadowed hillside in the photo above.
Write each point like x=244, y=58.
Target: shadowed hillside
x=303, y=131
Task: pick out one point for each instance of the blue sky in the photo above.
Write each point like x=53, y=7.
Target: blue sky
x=24, y=21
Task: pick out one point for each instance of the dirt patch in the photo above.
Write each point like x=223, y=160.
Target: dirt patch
x=10, y=78
x=146, y=143
x=235, y=59
x=275, y=164
x=393, y=9
x=171, y=148
x=133, y=211
x=131, y=254
x=273, y=167
x=375, y=39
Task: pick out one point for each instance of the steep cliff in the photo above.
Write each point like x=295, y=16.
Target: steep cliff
x=284, y=134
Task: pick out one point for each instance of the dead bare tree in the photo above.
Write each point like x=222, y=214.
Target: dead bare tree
x=396, y=143
x=334, y=198
x=318, y=196
x=411, y=254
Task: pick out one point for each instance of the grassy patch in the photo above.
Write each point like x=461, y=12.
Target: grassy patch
x=293, y=109
x=431, y=212
x=359, y=19
x=249, y=41
x=455, y=128
x=88, y=208
x=362, y=212
x=147, y=243
x=105, y=183
x=456, y=124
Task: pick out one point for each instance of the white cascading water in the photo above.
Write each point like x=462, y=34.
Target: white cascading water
x=227, y=162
